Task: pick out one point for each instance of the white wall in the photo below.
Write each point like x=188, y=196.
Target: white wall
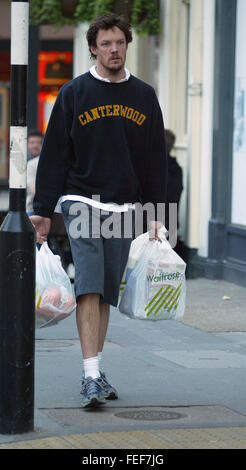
x=194, y=123
x=207, y=124
x=172, y=85
x=81, y=54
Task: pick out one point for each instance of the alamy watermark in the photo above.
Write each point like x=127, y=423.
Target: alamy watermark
x=93, y=222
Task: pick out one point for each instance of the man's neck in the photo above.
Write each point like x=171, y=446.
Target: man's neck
x=113, y=77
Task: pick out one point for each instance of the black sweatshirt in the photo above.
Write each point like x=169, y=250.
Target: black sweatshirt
x=103, y=139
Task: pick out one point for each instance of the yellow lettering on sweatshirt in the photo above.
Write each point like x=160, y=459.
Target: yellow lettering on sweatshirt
x=95, y=113
x=116, y=109
x=112, y=110
x=82, y=119
x=141, y=119
x=123, y=110
x=108, y=109
x=101, y=109
x=135, y=116
x=129, y=113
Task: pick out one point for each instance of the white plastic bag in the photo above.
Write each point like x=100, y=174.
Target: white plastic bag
x=137, y=246
x=54, y=296
x=155, y=288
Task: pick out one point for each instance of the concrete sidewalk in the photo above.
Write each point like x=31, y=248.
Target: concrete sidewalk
x=181, y=384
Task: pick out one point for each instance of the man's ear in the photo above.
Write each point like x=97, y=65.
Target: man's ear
x=93, y=50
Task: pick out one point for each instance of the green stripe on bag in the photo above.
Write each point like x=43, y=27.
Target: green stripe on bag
x=170, y=300
x=152, y=300
x=173, y=298
x=39, y=302
x=160, y=298
x=122, y=285
x=39, y=299
x=156, y=303
x=175, y=303
x=165, y=300
x=175, y=293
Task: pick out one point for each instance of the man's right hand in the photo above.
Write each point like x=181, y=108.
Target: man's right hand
x=42, y=227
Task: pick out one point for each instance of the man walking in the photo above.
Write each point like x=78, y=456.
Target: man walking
x=103, y=151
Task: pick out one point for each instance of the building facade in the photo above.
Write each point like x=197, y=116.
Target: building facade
x=202, y=92
x=227, y=225
x=50, y=65
x=198, y=69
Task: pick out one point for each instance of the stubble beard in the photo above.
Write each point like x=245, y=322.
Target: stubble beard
x=114, y=70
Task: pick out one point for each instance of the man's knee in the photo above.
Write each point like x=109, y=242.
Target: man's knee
x=88, y=299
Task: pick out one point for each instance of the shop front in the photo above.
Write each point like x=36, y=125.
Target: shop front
x=227, y=226
x=50, y=66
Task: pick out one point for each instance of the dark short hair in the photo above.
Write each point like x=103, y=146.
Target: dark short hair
x=35, y=133
x=107, y=21
x=170, y=139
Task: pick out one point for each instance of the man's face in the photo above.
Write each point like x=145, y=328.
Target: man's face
x=34, y=145
x=111, y=50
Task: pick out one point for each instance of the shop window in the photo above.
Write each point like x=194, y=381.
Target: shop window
x=54, y=70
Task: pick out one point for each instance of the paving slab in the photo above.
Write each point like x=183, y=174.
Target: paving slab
x=191, y=371
x=215, y=305
x=206, y=438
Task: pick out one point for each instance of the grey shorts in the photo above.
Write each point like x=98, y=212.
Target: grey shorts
x=99, y=259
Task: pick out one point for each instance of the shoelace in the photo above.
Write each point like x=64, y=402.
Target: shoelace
x=92, y=386
x=102, y=378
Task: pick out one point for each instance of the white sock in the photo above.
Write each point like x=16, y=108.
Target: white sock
x=91, y=367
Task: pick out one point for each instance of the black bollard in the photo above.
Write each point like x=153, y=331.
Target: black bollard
x=17, y=254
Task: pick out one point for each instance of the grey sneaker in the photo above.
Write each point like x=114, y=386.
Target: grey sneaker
x=110, y=393
x=92, y=392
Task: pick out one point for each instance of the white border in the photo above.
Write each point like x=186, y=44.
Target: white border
x=18, y=157
x=19, y=33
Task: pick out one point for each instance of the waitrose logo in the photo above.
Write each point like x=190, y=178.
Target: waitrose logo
x=164, y=277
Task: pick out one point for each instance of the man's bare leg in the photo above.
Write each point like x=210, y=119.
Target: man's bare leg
x=104, y=319
x=92, y=324
x=88, y=324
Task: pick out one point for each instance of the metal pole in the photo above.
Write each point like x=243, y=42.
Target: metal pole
x=17, y=253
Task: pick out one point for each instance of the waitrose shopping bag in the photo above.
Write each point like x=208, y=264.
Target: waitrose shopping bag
x=137, y=246
x=54, y=298
x=155, y=288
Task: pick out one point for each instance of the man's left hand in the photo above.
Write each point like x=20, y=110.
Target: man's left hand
x=154, y=226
